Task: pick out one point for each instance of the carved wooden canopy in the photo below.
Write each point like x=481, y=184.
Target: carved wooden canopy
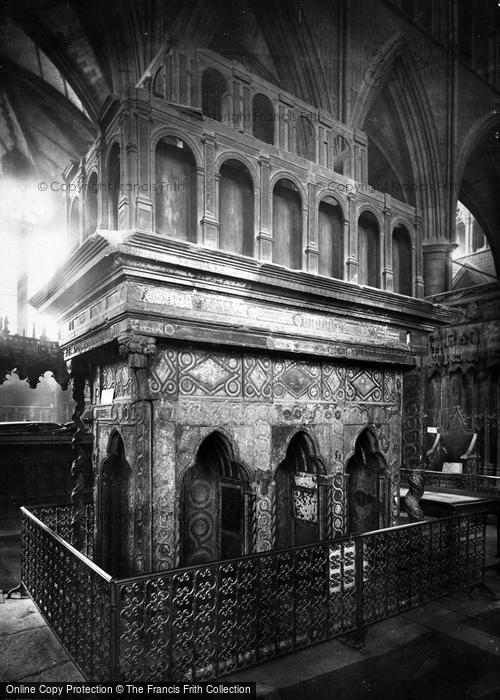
x=30, y=358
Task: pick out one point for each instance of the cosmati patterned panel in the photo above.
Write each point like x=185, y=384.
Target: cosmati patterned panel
x=296, y=380
x=412, y=433
x=333, y=382
x=209, y=374
x=392, y=387
x=120, y=378
x=364, y=385
x=339, y=505
x=257, y=378
x=164, y=373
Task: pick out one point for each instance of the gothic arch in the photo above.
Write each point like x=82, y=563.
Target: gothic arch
x=300, y=495
x=217, y=509
x=396, y=70
x=366, y=468
x=112, y=486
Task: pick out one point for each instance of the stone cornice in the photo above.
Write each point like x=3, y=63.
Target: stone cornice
x=156, y=258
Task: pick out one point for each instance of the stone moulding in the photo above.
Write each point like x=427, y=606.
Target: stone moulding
x=165, y=288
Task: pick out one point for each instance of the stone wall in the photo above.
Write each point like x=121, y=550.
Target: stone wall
x=258, y=402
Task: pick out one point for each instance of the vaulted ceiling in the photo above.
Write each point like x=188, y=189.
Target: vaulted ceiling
x=60, y=61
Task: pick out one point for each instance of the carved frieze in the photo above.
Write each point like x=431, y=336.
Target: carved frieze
x=185, y=307
x=178, y=373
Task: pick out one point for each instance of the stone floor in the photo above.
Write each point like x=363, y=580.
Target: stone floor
x=446, y=649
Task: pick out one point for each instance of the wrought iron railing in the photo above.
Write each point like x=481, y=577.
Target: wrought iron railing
x=59, y=519
x=467, y=482
x=201, y=622
x=71, y=592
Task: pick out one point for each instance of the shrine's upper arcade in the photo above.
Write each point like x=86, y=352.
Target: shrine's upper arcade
x=205, y=151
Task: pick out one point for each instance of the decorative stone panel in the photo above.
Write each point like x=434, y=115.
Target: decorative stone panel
x=198, y=373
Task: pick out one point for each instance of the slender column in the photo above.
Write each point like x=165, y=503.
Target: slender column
x=311, y=247
x=143, y=199
x=352, y=263
x=418, y=260
x=264, y=236
x=387, y=272
x=209, y=223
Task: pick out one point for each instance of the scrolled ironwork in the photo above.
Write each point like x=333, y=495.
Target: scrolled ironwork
x=201, y=622
x=72, y=594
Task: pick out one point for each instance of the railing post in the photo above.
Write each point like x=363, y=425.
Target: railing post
x=358, y=638
x=114, y=636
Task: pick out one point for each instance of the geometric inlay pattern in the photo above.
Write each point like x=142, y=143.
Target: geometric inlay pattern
x=392, y=387
x=363, y=385
x=333, y=385
x=257, y=378
x=163, y=379
x=175, y=372
x=295, y=380
x=209, y=374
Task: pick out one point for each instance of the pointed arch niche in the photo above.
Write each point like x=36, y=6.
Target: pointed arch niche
x=112, y=497
x=299, y=494
x=365, y=491
x=217, y=507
